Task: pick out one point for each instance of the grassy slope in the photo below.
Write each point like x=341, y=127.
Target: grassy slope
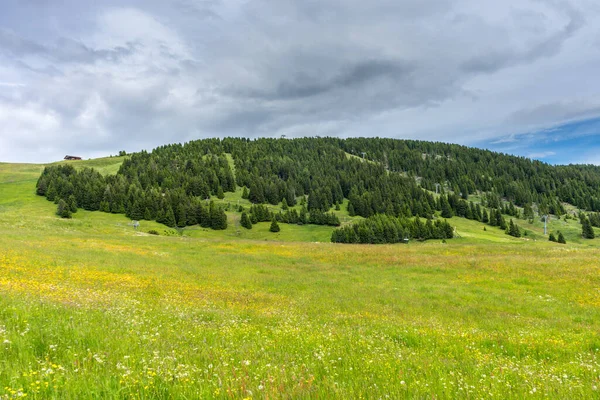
x=90, y=308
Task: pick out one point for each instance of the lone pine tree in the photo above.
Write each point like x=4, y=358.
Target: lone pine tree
x=274, y=226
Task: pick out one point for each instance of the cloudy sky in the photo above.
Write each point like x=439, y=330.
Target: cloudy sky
x=92, y=78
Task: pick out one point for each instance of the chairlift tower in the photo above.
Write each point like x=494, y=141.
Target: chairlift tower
x=363, y=154
x=545, y=216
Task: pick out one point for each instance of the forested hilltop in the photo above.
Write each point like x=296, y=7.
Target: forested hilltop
x=389, y=182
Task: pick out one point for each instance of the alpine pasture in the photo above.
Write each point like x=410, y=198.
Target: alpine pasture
x=91, y=308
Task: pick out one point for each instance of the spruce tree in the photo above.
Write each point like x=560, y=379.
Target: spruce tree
x=42, y=186
x=561, y=238
x=218, y=218
x=303, y=215
x=493, y=219
x=169, y=219
x=181, y=216
x=284, y=204
x=351, y=209
x=513, y=229
x=245, y=221
x=245, y=193
x=104, y=206
x=257, y=194
x=136, y=211
x=551, y=237
x=220, y=194
x=586, y=229
x=202, y=216
x=274, y=226
x=160, y=217
x=445, y=206
x=469, y=212
x=502, y=221
x=51, y=192
x=192, y=219
x=63, y=210
x=72, y=203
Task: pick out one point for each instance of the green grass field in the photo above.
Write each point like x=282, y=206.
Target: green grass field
x=91, y=308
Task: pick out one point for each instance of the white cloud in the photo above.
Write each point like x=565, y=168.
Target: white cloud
x=542, y=154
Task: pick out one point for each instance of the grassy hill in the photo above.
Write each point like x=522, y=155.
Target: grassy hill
x=91, y=308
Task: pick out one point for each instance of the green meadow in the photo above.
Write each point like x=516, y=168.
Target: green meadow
x=92, y=308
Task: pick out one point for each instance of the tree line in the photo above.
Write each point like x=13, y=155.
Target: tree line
x=383, y=228
x=174, y=184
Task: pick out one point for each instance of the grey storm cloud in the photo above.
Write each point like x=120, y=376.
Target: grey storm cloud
x=545, y=48
x=65, y=50
x=98, y=77
x=362, y=73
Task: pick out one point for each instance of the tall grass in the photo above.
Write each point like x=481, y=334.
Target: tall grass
x=91, y=308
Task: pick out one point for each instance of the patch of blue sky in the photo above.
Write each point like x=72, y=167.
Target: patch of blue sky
x=570, y=143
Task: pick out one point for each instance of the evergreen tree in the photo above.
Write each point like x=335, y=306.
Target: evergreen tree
x=169, y=218
x=561, y=238
x=303, y=218
x=104, y=206
x=587, y=231
x=218, y=218
x=220, y=194
x=493, y=219
x=42, y=186
x=245, y=221
x=192, y=218
x=351, y=209
x=284, y=204
x=136, y=211
x=502, y=221
x=551, y=237
x=181, y=216
x=257, y=194
x=513, y=229
x=202, y=215
x=477, y=213
x=245, y=193
x=445, y=206
x=51, y=193
x=63, y=210
x=528, y=212
x=469, y=212
x=72, y=202
x=274, y=226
